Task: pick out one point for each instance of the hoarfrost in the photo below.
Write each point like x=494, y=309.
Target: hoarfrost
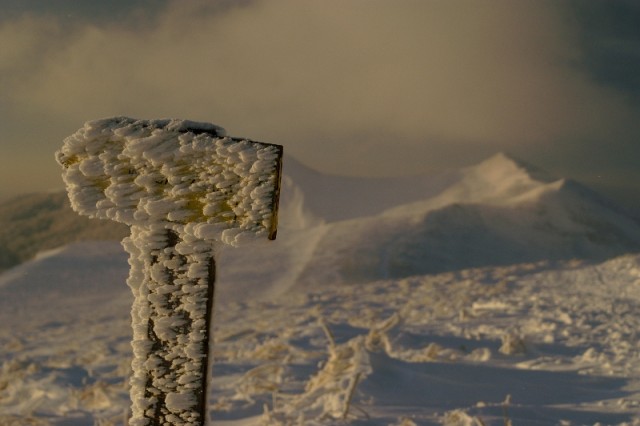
x=172, y=172
x=180, y=186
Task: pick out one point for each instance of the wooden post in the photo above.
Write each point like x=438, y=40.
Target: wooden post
x=181, y=186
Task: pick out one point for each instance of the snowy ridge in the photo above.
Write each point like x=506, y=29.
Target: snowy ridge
x=493, y=212
x=333, y=198
x=499, y=212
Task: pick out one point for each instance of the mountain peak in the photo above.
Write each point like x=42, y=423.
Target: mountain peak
x=499, y=180
x=504, y=165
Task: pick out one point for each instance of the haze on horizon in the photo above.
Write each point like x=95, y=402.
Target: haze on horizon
x=360, y=88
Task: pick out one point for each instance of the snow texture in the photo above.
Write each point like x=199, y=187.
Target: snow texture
x=173, y=172
x=529, y=340
x=170, y=284
x=181, y=186
x=425, y=350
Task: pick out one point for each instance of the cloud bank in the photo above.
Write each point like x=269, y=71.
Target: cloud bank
x=359, y=87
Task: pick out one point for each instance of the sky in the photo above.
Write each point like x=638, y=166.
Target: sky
x=358, y=87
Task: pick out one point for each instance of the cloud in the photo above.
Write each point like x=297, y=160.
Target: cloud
x=359, y=87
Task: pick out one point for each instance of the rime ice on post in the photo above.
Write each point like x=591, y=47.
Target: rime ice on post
x=181, y=186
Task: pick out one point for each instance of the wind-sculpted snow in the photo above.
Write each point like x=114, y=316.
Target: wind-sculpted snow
x=170, y=325
x=173, y=172
x=181, y=186
x=534, y=344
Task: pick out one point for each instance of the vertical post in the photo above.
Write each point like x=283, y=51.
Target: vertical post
x=206, y=373
x=173, y=299
x=182, y=187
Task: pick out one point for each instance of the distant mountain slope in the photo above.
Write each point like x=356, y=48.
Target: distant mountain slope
x=333, y=198
x=345, y=229
x=36, y=222
x=499, y=212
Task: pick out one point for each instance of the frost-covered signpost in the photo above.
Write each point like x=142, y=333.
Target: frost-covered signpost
x=181, y=186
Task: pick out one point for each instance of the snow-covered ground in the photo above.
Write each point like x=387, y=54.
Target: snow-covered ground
x=350, y=318
x=534, y=343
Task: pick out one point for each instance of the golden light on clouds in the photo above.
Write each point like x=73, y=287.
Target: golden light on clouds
x=362, y=87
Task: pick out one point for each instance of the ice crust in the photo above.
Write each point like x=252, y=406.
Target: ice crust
x=173, y=172
x=169, y=320
x=180, y=186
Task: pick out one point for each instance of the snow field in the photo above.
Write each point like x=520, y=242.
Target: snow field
x=543, y=343
x=462, y=342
